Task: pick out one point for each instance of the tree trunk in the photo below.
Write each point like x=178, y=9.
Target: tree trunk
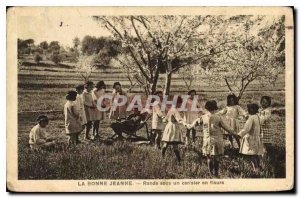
x=155, y=79
x=168, y=83
x=146, y=90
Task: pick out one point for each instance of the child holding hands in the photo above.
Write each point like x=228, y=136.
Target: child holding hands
x=172, y=134
x=190, y=115
x=251, y=145
x=213, y=145
x=232, y=113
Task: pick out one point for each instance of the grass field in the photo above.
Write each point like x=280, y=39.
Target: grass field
x=42, y=89
x=111, y=160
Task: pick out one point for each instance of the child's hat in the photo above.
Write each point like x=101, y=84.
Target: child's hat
x=42, y=118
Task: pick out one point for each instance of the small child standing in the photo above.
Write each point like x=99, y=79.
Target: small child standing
x=38, y=138
x=80, y=107
x=265, y=114
x=232, y=113
x=72, y=118
x=89, y=108
x=251, y=145
x=97, y=92
x=157, y=116
x=190, y=116
x=213, y=145
x=118, y=112
x=172, y=134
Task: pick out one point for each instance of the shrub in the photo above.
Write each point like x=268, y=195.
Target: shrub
x=56, y=57
x=38, y=58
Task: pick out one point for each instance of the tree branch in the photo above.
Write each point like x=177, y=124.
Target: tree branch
x=145, y=25
x=179, y=27
x=130, y=50
x=142, y=43
x=227, y=83
x=139, y=65
x=114, y=28
x=138, y=35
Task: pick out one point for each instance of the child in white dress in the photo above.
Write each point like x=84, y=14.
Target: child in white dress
x=172, y=134
x=251, y=145
x=89, y=108
x=97, y=92
x=38, y=137
x=72, y=118
x=213, y=127
x=157, y=120
x=80, y=108
x=233, y=113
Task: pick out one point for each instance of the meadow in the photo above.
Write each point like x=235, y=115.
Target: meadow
x=41, y=89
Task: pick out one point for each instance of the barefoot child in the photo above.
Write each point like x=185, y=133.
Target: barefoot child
x=172, y=134
x=233, y=112
x=38, y=138
x=251, y=145
x=213, y=145
x=72, y=118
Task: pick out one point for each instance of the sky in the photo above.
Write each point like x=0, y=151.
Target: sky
x=64, y=28
x=48, y=29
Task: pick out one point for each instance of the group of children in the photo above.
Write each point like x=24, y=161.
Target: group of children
x=81, y=113
x=252, y=139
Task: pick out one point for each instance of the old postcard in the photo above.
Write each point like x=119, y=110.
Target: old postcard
x=150, y=99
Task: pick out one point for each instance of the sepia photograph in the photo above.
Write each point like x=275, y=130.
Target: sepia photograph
x=150, y=99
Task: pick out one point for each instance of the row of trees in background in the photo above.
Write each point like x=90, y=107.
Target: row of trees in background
x=103, y=49
x=44, y=50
